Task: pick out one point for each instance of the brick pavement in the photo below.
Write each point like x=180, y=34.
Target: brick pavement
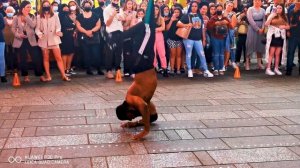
x=253, y=122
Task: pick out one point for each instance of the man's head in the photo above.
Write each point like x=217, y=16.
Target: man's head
x=125, y=112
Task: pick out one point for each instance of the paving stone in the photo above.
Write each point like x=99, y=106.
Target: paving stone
x=252, y=155
x=293, y=129
x=24, y=101
x=58, y=163
x=124, y=137
x=295, y=119
x=37, y=152
x=5, y=109
x=154, y=160
x=50, y=122
x=73, y=130
x=8, y=124
x=167, y=110
x=277, y=106
x=281, y=164
x=4, y=133
x=102, y=105
x=138, y=148
x=29, y=131
x=1, y=122
x=295, y=149
x=236, y=122
x=237, y=131
x=279, y=112
x=184, y=134
x=117, y=128
x=103, y=120
x=75, y=106
x=181, y=102
x=182, y=109
x=90, y=150
x=165, y=125
x=2, y=142
x=15, y=109
x=6, y=153
x=16, y=132
x=184, y=145
x=261, y=100
x=172, y=135
x=23, y=153
x=57, y=114
x=274, y=121
x=284, y=120
x=196, y=133
x=43, y=141
x=294, y=98
x=262, y=141
x=205, y=115
x=242, y=166
x=204, y=158
x=24, y=115
x=99, y=162
x=242, y=114
x=252, y=114
x=278, y=130
x=9, y=116
x=169, y=117
x=215, y=108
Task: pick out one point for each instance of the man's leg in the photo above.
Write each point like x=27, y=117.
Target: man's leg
x=290, y=56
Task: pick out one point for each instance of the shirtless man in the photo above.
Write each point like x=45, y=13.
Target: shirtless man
x=137, y=101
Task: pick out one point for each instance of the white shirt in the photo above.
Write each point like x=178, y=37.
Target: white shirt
x=115, y=24
x=268, y=10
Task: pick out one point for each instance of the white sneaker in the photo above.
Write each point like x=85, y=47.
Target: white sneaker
x=269, y=72
x=216, y=72
x=190, y=73
x=223, y=69
x=207, y=74
x=277, y=72
x=234, y=65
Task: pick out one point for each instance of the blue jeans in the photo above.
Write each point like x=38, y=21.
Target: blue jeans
x=230, y=42
x=293, y=43
x=197, y=45
x=2, y=60
x=218, y=46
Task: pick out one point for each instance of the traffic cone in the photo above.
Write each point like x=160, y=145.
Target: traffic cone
x=16, y=80
x=119, y=76
x=237, y=74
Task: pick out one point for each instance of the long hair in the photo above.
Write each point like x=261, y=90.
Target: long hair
x=158, y=18
x=42, y=12
x=190, y=8
x=125, y=5
x=22, y=6
x=282, y=13
x=180, y=12
x=162, y=10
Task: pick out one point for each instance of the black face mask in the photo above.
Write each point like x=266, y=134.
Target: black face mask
x=115, y=5
x=87, y=9
x=64, y=12
x=101, y=4
x=46, y=8
x=219, y=13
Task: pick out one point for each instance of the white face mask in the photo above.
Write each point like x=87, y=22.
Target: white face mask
x=73, y=8
x=140, y=19
x=5, y=4
x=55, y=8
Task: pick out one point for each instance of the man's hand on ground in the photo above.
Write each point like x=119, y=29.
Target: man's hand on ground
x=129, y=125
x=140, y=135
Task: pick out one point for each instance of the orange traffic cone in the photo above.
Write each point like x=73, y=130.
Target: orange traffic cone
x=119, y=76
x=16, y=80
x=237, y=74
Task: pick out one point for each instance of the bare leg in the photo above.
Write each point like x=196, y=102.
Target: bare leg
x=65, y=59
x=277, y=56
x=271, y=54
x=69, y=61
x=259, y=60
x=59, y=61
x=227, y=56
x=172, y=59
x=46, y=63
x=178, y=58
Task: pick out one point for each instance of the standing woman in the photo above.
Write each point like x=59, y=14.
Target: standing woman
x=88, y=24
x=25, y=41
x=159, y=45
x=166, y=14
x=2, y=46
x=276, y=39
x=67, y=40
x=242, y=35
x=129, y=15
x=174, y=42
x=48, y=30
x=196, y=38
x=256, y=18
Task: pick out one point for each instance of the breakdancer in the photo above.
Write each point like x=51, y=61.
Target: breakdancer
x=138, y=97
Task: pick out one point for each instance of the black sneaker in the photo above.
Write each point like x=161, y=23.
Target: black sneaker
x=3, y=79
x=100, y=72
x=165, y=73
x=89, y=72
x=72, y=72
x=68, y=73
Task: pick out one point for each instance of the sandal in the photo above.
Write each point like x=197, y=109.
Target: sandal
x=65, y=78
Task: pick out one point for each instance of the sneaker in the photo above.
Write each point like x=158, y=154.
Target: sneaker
x=223, y=69
x=190, y=74
x=165, y=73
x=221, y=72
x=109, y=75
x=132, y=76
x=234, y=65
x=216, y=72
x=127, y=74
x=182, y=70
x=67, y=73
x=277, y=72
x=269, y=72
x=172, y=72
x=100, y=72
x=178, y=72
x=89, y=72
x=207, y=74
x=72, y=72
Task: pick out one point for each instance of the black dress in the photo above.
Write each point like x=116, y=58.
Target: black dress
x=67, y=40
x=276, y=41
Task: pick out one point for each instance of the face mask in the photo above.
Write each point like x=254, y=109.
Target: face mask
x=219, y=12
x=73, y=8
x=166, y=14
x=55, y=8
x=64, y=12
x=115, y=5
x=87, y=9
x=10, y=15
x=46, y=8
x=101, y=4
x=5, y=4
x=140, y=19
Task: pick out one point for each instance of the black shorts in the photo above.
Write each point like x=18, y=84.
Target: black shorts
x=276, y=41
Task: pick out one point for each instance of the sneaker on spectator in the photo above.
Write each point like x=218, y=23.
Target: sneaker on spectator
x=207, y=74
x=221, y=72
x=216, y=72
x=109, y=75
x=234, y=65
x=190, y=74
x=269, y=72
x=127, y=74
x=277, y=72
x=72, y=72
x=68, y=73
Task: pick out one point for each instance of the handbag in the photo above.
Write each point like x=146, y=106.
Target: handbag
x=91, y=40
x=221, y=30
x=184, y=32
x=243, y=29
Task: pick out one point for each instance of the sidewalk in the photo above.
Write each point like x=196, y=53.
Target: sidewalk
x=211, y=123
